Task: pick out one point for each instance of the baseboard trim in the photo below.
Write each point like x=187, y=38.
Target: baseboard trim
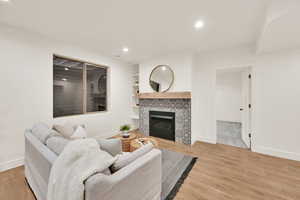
x=207, y=140
x=11, y=164
x=276, y=153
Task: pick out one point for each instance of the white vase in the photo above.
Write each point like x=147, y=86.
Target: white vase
x=125, y=134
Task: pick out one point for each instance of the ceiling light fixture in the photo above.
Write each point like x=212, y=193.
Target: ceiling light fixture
x=125, y=49
x=199, y=24
x=66, y=68
x=5, y=0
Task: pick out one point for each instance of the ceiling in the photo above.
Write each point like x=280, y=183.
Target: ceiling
x=147, y=28
x=281, y=27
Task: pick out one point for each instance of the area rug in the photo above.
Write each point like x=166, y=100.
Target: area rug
x=175, y=168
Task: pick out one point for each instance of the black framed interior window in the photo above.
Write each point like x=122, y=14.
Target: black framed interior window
x=78, y=87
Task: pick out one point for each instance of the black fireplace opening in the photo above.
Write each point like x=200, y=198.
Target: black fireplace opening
x=162, y=124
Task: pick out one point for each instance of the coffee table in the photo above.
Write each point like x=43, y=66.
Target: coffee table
x=137, y=143
x=126, y=141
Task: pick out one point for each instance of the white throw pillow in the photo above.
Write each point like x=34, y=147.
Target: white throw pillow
x=112, y=146
x=65, y=130
x=125, y=159
x=79, y=133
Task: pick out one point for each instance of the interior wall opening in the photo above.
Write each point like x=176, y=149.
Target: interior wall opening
x=233, y=107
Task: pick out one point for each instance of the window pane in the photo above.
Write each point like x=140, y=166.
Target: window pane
x=96, y=88
x=67, y=87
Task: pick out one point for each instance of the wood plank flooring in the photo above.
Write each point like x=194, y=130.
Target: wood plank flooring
x=221, y=173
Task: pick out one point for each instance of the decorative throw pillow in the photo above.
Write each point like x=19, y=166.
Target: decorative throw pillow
x=57, y=144
x=79, y=133
x=65, y=130
x=125, y=159
x=76, y=126
x=112, y=146
x=41, y=131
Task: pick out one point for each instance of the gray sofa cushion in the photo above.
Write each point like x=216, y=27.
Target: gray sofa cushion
x=112, y=146
x=41, y=131
x=127, y=158
x=57, y=144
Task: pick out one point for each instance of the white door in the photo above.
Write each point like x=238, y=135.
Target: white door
x=246, y=106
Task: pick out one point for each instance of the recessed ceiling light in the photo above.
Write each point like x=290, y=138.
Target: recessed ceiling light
x=5, y=0
x=164, y=68
x=64, y=79
x=66, y=68
x=125, y=49
x=199, y=24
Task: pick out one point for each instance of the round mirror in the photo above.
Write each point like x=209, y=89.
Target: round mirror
x=161, y=78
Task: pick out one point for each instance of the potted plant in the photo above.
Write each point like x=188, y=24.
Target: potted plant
x=125, y=130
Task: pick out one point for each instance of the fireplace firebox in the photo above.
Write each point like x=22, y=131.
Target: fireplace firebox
x=162, y=124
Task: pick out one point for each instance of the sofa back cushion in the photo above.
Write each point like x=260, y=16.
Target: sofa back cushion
x=41, y=131
x=127, y=158
x=57, y=144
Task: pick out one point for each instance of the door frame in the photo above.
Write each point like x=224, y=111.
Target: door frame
x=250, y=111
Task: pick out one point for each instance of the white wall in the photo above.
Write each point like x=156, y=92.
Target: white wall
x=26, y=90
x=275, y=98
x=229, y=96
x=181, y=64
x=277, y=104
x=204, y=87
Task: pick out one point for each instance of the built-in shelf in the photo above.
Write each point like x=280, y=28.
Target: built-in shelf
x=165, y=95
x=135, y=96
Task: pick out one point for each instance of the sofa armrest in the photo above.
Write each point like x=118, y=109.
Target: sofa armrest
x=139, y=180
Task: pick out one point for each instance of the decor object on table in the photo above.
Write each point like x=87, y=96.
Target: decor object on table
x=161, y=78
x=137, y=143
x=125, y=130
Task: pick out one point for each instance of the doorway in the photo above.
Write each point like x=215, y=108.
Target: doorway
x=233, y=106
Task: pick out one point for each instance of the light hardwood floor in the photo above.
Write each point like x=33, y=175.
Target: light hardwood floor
x=221, y=173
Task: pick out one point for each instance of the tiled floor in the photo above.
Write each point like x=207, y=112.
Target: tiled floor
x=230, y=133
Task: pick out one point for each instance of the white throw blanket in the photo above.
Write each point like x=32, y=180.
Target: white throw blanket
x=79, y=160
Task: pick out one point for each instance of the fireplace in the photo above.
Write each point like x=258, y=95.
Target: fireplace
x=162, y=124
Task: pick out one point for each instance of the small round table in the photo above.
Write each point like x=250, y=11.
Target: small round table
x=126, y=141
x=137, y=143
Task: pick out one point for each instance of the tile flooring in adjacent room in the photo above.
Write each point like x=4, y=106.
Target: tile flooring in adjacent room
x=230, y=133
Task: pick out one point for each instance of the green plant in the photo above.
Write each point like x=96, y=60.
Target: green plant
x=125, y=127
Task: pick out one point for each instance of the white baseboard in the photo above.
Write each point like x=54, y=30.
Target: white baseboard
x=11, y=164
x=276, y=153
x=208, y=140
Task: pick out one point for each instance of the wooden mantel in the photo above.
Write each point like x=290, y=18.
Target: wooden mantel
x=165, y=95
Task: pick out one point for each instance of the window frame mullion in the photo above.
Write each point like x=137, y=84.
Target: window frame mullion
x=84, y=88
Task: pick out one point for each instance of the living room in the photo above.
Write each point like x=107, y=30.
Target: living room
x=155, y=62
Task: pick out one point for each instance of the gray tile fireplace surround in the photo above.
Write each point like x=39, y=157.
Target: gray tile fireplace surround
x=182, y=110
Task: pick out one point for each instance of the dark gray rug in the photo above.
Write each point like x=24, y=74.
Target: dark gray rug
x=175, y=168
